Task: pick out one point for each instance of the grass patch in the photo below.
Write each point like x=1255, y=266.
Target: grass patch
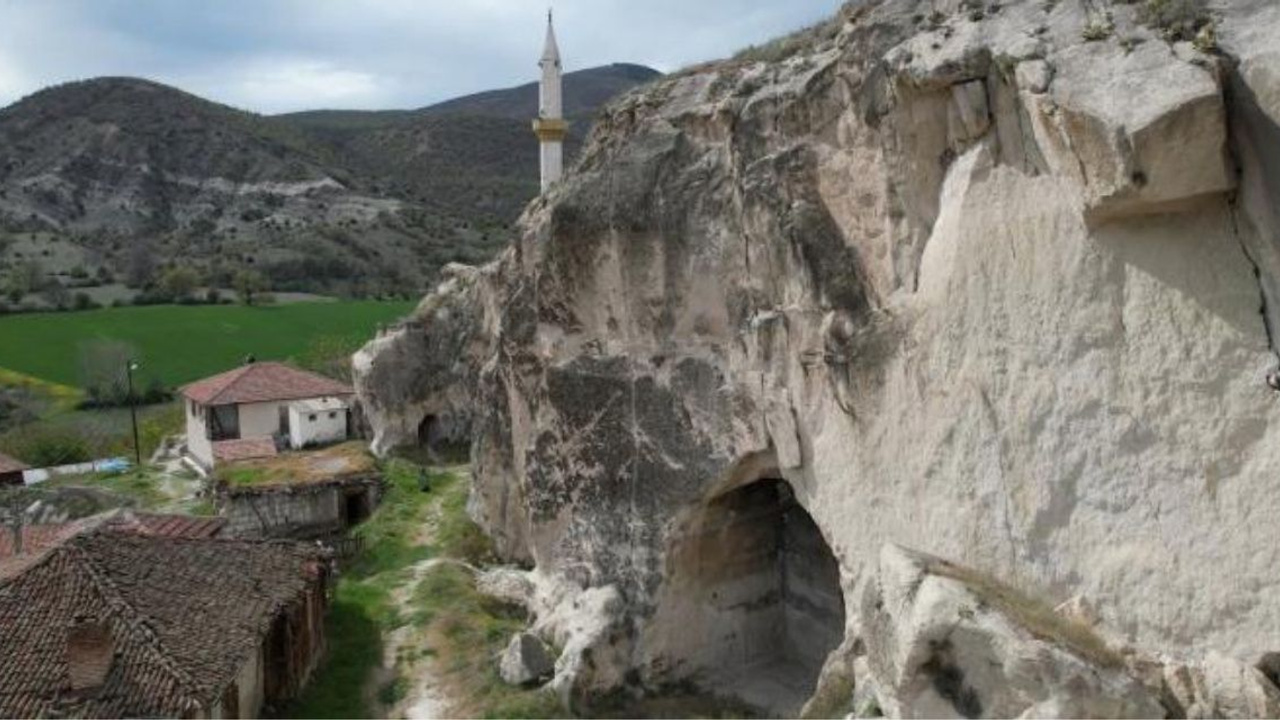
x=354, y=637
x=781, y=48
x=83, y=435
x=213, y=337
x=347, y=459
x=139, y=485
x=363, y=609
x=1033, y=614
x=466, y=628
x=62, y=397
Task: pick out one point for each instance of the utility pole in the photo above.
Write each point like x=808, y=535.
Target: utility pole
x=133, y=411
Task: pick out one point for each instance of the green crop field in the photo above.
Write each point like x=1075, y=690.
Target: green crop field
x=177, y=344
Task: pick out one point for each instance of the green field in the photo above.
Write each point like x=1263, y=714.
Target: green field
x=177, y=344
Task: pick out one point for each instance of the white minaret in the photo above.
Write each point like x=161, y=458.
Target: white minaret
x=550, y=126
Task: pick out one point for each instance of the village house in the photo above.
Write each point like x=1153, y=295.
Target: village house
x=257, y=408
x=125, y=615
x=11, y=471
x=313, y=495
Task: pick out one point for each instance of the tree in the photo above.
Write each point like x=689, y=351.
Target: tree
x=141, y=271
x=178, y=283
x=26, y=277
x=56, y=294
x=249, y=284
x=102, y=370
x=330, y=355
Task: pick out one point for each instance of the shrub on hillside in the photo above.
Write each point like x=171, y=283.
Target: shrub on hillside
x=47, y=446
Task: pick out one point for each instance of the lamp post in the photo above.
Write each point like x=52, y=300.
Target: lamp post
x=133, y=411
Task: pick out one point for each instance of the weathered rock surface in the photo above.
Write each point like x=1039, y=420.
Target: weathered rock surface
x=945, y=641
x=953, y=279
x=525, y=660
x=1221, y=687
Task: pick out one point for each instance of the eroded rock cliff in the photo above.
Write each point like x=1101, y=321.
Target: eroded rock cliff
x=950, y=276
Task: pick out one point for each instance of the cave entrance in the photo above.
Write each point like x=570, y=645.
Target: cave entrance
x=766, y=587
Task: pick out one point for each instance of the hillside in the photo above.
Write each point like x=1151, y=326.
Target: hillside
x=110, y=180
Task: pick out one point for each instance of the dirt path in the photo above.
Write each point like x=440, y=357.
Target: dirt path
x=424, y=698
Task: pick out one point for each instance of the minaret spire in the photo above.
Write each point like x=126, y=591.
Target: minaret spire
x=550, y=126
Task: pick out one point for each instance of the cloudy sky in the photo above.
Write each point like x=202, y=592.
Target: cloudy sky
x=281, y=55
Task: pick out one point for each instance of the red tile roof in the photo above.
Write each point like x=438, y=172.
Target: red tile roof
x=182, y=615
x=38, y=537
x=263, y=382
x=244, y=449
x=8, y=464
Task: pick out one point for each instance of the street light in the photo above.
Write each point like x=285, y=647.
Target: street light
x=133, y=411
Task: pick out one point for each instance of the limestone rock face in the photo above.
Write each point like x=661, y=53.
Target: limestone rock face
x=1222, y=687
x=945, y=641
x=944, y=276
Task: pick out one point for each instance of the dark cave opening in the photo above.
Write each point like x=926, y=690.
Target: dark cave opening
x=766, y=588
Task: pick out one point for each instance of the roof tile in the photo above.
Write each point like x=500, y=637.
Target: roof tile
x=263, y=382
x=184, y=615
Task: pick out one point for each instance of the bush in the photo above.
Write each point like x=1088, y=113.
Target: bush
x=82, y=301
x=1176, y=19
x=47, y=446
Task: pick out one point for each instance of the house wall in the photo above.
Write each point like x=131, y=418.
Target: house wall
x=259, y=419
x=307, y=513
x=198, y=445
x=304, y=431
x=250, y=684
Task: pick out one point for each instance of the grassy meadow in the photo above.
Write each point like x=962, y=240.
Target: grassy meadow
x=177, y=343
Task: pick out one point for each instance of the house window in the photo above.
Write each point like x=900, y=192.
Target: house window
x=333, y=415
x=311, y=417
x=224, y=423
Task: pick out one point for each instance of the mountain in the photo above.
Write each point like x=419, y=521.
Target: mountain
x=113, y=179
x=584, y=92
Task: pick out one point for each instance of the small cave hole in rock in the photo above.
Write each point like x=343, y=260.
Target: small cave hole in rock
x=767, y=588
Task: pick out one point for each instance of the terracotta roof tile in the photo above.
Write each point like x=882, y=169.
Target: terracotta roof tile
x=8, y=464
x=244, y=449
x=183, y=615
x=262, y=382
x=38, y=537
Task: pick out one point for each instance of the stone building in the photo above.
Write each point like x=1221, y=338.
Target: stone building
x=303, y=496
x=116, y=617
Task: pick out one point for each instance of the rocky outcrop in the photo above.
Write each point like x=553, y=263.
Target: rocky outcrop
x=525, y=660
x=947, y=276
x=946, y=641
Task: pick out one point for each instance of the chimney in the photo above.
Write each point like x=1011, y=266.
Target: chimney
x=89, y=654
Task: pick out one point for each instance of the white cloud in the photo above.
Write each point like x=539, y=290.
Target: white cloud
x=273, y=55
x=272, y=85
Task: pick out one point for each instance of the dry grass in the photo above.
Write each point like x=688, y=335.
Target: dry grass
x=349, y=459
x=1035, y=615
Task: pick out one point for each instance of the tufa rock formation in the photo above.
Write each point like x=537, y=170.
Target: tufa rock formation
x=944, y=275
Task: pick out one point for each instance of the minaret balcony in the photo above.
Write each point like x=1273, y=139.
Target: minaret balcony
x=550, y=129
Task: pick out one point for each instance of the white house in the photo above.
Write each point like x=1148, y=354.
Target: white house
x=251, y=410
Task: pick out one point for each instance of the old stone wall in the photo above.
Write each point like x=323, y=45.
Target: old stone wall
x=283, y=514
